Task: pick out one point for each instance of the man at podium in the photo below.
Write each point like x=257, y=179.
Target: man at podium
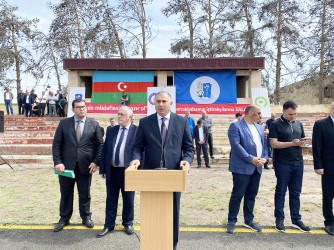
x=167, y=142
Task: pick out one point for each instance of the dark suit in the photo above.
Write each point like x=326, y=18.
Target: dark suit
x=203, y=146
x=20, y=102
x=178, y=141
x=28, y=107
x=76, y=156
x=323, y=158
x=115, y=177
x=246, y=177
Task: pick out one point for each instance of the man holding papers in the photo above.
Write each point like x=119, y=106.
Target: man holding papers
x=77, y=146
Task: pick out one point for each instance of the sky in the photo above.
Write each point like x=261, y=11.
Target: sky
x=164, y=28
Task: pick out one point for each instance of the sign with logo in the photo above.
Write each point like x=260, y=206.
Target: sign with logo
x=152, y=91
x=74, y=93
x=260, y=99
x=205, y=87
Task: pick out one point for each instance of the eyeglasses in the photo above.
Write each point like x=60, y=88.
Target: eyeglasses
x=79, y=107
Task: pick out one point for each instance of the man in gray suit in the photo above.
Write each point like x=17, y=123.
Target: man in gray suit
x=165, y=138
x=77, y=145
x=207, y=121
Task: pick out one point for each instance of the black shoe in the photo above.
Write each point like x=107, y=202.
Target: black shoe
x=198, y=166
x=129, y=229
x=300, y=225
x=60, y=225
x=266, y=166
x=212, y=157
x=230, y=228
x=329, y=230
x=88, y=223
x=280, y=226
x=104, y=232
x=208, y=166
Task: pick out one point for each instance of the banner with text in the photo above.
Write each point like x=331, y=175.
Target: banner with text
x=260, y=99
x=74, y=93
x=141, y=109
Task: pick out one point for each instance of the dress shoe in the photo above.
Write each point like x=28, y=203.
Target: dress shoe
x=129, y=229
x=88, y=223
x=60, y=225
x=212, y=157
x=230, y=228
x=104, y=232
x=329, y=230
x=198, y=166
x=208, y=166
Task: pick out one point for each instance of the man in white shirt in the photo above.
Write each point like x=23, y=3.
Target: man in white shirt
x=52, y=104
x=8, y=97
x=42, y=103
x=201, y=135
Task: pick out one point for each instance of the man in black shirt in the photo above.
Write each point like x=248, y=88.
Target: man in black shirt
x=287, y=138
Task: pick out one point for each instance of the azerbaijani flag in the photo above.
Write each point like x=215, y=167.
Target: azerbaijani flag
x=108, y=86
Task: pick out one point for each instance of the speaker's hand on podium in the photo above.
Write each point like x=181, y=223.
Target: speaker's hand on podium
x=185, y=166
x=135, y=163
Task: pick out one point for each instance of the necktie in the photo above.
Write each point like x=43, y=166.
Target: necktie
x=119, y=147
x=163, y=130
x=78, y=131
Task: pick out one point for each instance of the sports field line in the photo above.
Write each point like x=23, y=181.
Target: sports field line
x=183, y=229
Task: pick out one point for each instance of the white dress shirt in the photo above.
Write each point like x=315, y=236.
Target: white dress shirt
x=200, y=133
x=166, y=121
x=332, y=118
x=121, y=150
x=7, y=96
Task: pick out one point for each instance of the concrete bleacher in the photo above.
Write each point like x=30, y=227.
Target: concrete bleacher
x=29, y=140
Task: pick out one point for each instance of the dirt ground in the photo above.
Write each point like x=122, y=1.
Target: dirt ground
x=31, y=196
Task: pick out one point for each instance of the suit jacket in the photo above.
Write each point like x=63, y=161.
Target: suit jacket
x=31, y=99
x=109, y=145
x=323, y=145
x=178, y=145
x=243, y=147
x=67, y=150
x=205, y=133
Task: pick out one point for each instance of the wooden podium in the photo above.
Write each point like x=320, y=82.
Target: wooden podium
x=156, y=204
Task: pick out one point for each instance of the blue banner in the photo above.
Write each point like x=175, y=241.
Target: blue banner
x=205, y=87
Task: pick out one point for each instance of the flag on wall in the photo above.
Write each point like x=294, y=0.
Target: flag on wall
x=108, y=86
x=205, y=87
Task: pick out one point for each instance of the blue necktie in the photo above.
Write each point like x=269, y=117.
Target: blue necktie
x=119, y=147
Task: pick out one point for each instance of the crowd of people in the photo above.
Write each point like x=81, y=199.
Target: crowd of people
x=31, y=104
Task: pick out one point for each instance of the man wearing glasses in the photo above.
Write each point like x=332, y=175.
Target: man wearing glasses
x=248, y=154
x=77, y=146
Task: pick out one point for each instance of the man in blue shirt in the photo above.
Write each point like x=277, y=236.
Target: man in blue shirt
x=191, y=121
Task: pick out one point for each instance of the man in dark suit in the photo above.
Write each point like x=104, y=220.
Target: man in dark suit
x=77, y=145
x=323, y=158
x=201, y=135
x=248, y=154
x=115, y=159
x=165, y=137
x=20, y=97
x=28, y=102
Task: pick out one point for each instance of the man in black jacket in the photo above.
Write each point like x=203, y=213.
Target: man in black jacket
x=201, y=135
x=77, y=146
x=323, y=158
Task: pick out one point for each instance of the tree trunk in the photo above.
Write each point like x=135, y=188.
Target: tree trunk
x=191, y=30
x=249, y=29
x=279, y=55
x=210, y=31
x=79, y=31
x=143, y=23
x=17, y=59
x=322, y=52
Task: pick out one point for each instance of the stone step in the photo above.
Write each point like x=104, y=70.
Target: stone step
x=26, y=140
x=35, y=123
x=18, y=149
x=29, y=134
x=30, y=128
x=29, y=159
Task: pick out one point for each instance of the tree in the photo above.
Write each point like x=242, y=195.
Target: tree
x=16, y=34
x=282, y=18
x=137, y=25
x=186, y=9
